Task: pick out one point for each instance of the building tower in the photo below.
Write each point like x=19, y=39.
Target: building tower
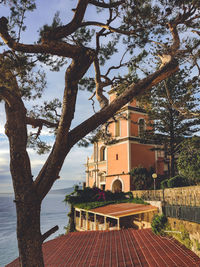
x=110, y=165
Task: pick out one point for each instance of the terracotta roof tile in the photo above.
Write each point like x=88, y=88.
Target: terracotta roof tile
x=124, y=209
x=124, y=248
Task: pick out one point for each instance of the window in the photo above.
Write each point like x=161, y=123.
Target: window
x=117, y=128
x=117, y=157
x=103, y=153
x=141, y=127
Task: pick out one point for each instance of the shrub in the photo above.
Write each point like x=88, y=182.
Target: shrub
x=164, y=184
x=158, y=224
x=178, y=181
x=141, y=178
x=189, y=159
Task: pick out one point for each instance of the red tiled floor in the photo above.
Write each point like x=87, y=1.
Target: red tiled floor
x=124, y=209
x=124, y=248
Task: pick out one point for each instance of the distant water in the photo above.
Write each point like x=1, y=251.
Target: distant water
x=54, y=212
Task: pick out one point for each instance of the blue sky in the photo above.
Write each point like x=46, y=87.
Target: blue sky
x=73, y=169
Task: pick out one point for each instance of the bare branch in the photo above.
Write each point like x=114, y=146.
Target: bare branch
x=183, y=111
x=103, y=101
x=91, y=98
x=117, y=67
x=49, y=232
x=105, y=5
x=71, y=27
x=105, y=26
x=40, y=122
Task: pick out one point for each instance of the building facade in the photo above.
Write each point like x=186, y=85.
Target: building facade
x=110, y=164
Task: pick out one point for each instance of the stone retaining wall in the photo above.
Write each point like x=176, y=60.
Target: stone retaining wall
x=192, y=228
x=189, y=195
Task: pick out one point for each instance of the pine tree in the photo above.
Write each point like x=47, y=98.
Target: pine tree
x=136, y=32
x=170, y=126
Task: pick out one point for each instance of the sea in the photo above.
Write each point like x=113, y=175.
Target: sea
x=53, y=212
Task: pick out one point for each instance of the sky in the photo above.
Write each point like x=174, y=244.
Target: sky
x=73, y=170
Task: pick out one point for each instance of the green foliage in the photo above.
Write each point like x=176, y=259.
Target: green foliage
x=178, y=181
x=164, y=184
x=189, y=159
x=83, y=36
x=106, y=51
x=141, y=178
x=71, y=224
x=183, y=237
x=159, y=224
x=89, y=198
x=18, y=10
x=197, y=243
x=87, y=83
x=169, y=126
x=97, y=204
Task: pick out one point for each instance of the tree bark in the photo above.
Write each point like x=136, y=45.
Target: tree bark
x=28, y=233
x=27, y=201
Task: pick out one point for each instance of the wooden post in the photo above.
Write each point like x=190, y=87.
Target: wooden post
x=86, y=225
x=118, y=224
x=95, y=222
x=105, y=226
x=80, y=220
x=75, y=217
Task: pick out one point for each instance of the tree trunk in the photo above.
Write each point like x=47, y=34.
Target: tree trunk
x=27, y=200
x=28, y=233
x=172, y=166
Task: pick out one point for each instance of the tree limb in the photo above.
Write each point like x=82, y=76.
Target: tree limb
x=52, y=166
x=103, y=101
x=49, y=232
x=105, y=5
x=40, y=122
x=71, y=27
x=134, y=90
x=107, y=27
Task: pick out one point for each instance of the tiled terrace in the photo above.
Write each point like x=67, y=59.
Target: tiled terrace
x=123, y=248
x=99, y=218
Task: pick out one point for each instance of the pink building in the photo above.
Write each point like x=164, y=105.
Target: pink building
x=109, y=166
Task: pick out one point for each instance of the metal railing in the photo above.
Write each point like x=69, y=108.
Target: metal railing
x=187, y=213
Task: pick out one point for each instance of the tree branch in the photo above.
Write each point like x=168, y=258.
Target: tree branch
x=52, y=166
x=49, y=232
x=71, y=27
x=134, y=90
x=103, y=101
x=105, y=5
x=40, y=122
x=107, y=27
x=51, y=47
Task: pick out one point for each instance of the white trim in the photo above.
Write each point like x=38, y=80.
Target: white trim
x=100, y=152
x=119, y=128
x=124, y=142
x=138, y=112
x=146, y=144
x=117, y=178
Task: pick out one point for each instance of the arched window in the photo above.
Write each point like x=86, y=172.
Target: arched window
x=141, y=127
x=103, y=153
x=117, y=128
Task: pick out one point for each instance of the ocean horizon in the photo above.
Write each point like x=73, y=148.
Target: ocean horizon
x=53, y=212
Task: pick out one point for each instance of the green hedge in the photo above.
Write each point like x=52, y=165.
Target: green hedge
x=178, y=181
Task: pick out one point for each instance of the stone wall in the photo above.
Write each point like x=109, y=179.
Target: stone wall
x=189, y=195
x=192, y=228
